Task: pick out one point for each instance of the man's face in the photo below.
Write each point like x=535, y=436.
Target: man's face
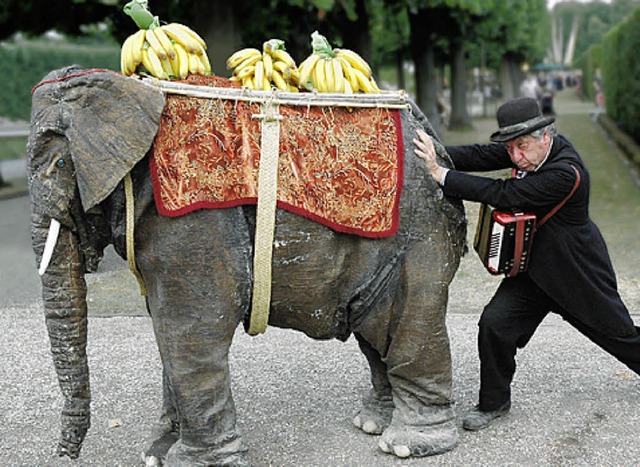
x=527, y=152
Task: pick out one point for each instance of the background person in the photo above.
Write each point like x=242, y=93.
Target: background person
x=570, y=272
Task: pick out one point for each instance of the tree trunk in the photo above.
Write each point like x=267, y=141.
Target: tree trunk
x=510, y=78
x=425, y=76
x=459, y=119
x=356, y=33
x=219, y=26
x=399, y=70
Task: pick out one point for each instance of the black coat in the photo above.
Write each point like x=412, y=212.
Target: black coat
x=569, y=259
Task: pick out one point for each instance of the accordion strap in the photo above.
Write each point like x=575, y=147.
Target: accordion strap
x=554, y=210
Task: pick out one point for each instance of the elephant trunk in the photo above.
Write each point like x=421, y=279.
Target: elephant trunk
x=64, y=294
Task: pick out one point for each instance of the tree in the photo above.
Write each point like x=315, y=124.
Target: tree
x=443, y=26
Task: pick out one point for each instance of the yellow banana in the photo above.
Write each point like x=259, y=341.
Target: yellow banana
x=127, y=64
x=194, y=35
x=306, y=69
x=259, y=74
x=347, y=87
x=293, y=88
x=175, y=65
x=318, y=77
x=279, y=81
x=194, y=64
x=289, y=74
x=241, y=55
x=248, y=62
x=154, y=44
x=242, y=73
x=204, y=59
x=266, y=84
x=328, y=75
x=268, y=65
x=355, y=60
x=183, y=61
x=152, y=63
x=165, y=42
x=338, y=75
x=283, y=56
x=247, y=81
x=181, y=37
x=292, y=75
x=280, y=66
x=167, y=67
x=136, y=46
x=363, y=82
x=374, y=85
x=349, y=74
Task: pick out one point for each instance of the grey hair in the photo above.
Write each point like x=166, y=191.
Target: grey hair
x=551, y=128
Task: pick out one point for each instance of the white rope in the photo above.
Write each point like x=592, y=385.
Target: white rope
x=385, y=99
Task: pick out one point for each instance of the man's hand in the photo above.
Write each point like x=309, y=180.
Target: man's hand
x=426, y=151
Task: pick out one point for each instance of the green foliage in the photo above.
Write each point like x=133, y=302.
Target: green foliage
x=13, y=148
x=26, y=62
x=518, y=29
x=620, y=71
x=590, y=63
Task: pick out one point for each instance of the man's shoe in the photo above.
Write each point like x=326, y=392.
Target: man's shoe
x=478, y=420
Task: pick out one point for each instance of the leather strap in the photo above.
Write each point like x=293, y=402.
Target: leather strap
x=520, y=227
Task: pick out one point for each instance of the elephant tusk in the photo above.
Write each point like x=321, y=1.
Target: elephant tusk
x=49, y=245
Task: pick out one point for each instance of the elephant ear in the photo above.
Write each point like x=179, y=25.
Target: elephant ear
x=111, y=122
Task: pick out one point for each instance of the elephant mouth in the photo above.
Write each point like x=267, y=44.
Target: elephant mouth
x=49, y=245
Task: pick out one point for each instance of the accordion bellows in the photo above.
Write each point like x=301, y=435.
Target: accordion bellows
x=503, y=240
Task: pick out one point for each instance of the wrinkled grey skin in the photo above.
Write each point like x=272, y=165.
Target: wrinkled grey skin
x=88, y=131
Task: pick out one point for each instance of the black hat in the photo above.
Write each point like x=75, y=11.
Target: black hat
x=518, y=117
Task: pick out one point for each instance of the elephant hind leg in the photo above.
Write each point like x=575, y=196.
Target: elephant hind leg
x=377, y=407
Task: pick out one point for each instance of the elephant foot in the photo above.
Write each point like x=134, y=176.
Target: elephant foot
x=412, y=441
x=375, y=415
x=164, y=435
x=231, y=453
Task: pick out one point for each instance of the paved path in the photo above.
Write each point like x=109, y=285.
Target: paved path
x=572, y=403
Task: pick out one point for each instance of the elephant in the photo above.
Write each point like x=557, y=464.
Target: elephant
x=89, y=130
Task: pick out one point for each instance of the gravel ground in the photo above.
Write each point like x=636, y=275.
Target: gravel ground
x=573, y=404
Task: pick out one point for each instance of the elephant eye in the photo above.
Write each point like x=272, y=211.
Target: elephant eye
x=57, y=161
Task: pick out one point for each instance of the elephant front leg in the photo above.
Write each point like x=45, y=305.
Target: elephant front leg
x=166, y=431
x=377, y=406
x=195, y=353
x=196, y=269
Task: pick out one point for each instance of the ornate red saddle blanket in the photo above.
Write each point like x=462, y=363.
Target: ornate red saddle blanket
x=337, y=166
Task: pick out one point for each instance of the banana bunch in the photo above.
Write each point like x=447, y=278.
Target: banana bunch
x=170, y=51
x=262, y=70
x=335, y=70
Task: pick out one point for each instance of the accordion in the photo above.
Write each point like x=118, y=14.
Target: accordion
x=503, y=240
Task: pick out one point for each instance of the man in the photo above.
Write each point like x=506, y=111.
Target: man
x=570, y=272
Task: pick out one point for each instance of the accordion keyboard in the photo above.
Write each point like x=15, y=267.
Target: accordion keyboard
x=495, y=246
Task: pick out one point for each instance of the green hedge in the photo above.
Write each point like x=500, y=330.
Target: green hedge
x=621, y=73
x=27, y=62
x=590, y=62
